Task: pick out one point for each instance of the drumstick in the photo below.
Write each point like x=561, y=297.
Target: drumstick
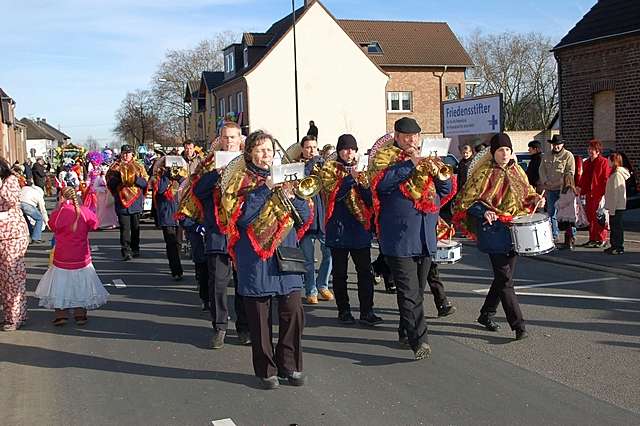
x=538, y=203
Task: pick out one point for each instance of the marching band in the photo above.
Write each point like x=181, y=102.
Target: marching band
x=248, y=228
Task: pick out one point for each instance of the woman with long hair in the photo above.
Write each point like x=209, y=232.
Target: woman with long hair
x=615, y=202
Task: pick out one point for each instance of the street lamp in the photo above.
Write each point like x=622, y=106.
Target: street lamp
x=184, y=108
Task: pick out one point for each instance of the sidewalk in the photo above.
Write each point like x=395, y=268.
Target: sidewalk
x=627, y=264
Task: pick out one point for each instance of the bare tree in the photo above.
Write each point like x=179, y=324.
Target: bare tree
x=178, y=68
x=91, y=144
x=137, y=119
x=522, y=68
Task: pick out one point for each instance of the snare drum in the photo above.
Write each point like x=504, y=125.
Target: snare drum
x=531, y=235
x=448, y=252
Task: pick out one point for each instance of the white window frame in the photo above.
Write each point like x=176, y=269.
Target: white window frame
x=221, y=106
x=240, y=102
x=229, y=63
x=400, y=96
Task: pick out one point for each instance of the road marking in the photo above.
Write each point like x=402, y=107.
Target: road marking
x=520, y=287
x=119, y=283
x=223, y=422
x=581, y=296
x=475, y=277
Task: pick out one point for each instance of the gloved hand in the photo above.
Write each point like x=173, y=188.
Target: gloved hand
x=200, y=229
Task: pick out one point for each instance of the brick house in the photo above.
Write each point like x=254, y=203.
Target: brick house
x=12, y=132
x=425, y=62
x=599, y=78
x=353, y=76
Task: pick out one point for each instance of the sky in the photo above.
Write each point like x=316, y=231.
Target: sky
x=73, y=61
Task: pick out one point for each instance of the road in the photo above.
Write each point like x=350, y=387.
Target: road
x=144, y=358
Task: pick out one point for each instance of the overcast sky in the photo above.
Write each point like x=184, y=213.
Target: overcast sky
x=73, y=61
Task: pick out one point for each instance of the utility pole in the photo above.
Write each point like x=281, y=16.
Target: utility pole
x=295, y=69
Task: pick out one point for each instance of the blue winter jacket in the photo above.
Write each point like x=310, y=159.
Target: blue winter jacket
x=165, y=208
x=256, y=277
x=404, y=230
x=494, y=238
x=138, y=204
x=343, y=230
x=215, y=241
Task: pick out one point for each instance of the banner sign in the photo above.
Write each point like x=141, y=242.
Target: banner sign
x=435, y=147
x=223, y=158
x=287, y=172
x=472, y=116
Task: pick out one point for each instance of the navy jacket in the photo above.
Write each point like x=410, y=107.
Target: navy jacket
x=494, y=238
x=256, y=277
x=138, y=204
x=343, y=230
x=404, y=230
x=165, y=208
x=215, y=241
x=317, y=226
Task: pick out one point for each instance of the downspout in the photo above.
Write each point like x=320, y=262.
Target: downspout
x=440, y=76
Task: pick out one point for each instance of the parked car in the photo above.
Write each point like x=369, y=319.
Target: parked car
x=523, y=158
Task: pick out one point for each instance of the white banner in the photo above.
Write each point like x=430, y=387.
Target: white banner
x=472, y=116
x=435, y=147
x=223, y=158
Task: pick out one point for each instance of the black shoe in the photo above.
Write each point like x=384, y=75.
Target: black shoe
x=423, y=351
x=346, y=317
x=294, y=378
x=589, y=244
x=370, y=318
x=403, y=342
x=126, y=257
x=269, y=383
x=521, y=334
x=177, y=277
x=390, y=287
x=488, y=322
x=617, y=251
x=205, y=306
x=244, y=338
x=136, y=254
x=446, y=310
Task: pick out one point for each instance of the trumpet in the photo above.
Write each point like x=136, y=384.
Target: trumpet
x=437, y=168
x=362, y=177
x=177, y=172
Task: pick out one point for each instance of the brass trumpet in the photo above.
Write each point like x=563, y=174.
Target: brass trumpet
x=436, y=167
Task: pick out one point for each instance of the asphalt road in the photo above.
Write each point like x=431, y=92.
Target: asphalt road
x=144, y=358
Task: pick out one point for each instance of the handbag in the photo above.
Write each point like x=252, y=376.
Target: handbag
x=290, y=260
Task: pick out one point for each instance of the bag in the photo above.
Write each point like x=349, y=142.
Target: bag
x=290, y=260
x=602, y=215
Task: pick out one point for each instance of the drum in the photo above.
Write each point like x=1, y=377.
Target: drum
x=531, y=235
x=448, y=252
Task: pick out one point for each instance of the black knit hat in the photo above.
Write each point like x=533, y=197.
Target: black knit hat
x=407, y=125
x=346, y=141
x=535, y=144
x=498, y=141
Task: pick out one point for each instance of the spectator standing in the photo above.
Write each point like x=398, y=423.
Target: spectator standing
x=463, y=166
x=32, y=205
x=313, y=130
x=592, y=185
x=533, y=169
x=615, y=202
x=39, y=173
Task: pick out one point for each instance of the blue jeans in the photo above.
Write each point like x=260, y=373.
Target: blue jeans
x=32, y=212
x=311, y=283
x=552, y=197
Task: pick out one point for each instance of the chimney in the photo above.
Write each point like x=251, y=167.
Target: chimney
x=44, y=120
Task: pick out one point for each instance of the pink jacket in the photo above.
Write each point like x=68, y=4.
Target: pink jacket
x=72, y=249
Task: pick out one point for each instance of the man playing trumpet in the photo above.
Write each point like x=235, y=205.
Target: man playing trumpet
x=127, y=181
x=408, y=191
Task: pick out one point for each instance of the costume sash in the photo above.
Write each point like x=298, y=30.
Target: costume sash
x=128, y=191
x=332, y=176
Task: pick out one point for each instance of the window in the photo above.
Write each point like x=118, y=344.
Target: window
x=230, y=103
x=239, y=102
x=229, y=64
x=453, y=91
x=399, y=101
x=221, y=111
x=245, y=55
x=604, y=116
x=374, y=47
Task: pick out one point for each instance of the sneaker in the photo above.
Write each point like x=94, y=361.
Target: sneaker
x=136, y=254
x=588, y=244
x=294, y=378
x=521, y=334
x=218, y=339
x=126, y=257
x=423, y=351
x=10, y=327
x=326, y=295
x=608, y=250
x=488, y=322
x=177, y=277
x=269, y=383
x=346, y=317
x=617, y=251
x=599, y=244
x=446, y=310
x=370, y=318
x=244, y=338
x=312, y=300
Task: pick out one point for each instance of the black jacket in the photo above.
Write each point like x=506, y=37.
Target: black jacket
x=39, y=175
x=533, y=169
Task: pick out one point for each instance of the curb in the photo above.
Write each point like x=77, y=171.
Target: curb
x=590, y=266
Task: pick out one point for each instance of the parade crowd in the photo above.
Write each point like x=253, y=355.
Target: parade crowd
x=247, y=231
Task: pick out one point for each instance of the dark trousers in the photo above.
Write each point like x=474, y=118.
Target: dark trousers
x=129, y=233
x=288, y=351
x=202, y=277
x=502, y=291
x=410, y=276
x=169, y=233
x=362, y=260
x=436, y=286
x=220, y=274
x=617, y=230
